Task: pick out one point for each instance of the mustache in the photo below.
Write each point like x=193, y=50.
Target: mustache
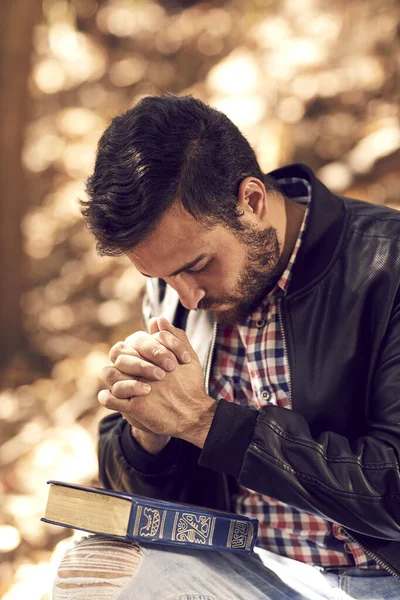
x=210, y=303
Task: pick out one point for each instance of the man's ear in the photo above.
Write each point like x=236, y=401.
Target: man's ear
x=252, y=199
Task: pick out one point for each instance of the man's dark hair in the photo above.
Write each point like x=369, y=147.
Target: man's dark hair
x=166, y=149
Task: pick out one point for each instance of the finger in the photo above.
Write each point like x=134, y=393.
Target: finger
x=110, y=375
x=153, y=325
x=107, y=399
x=112, y=355
x=121, y=347
x=129, y=388
x=169, y=340
x=165, y=325
x=137, y=367
x=179, y=334
x=152, y=350
x=141, y=387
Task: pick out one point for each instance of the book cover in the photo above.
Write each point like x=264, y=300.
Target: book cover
x=148, y=520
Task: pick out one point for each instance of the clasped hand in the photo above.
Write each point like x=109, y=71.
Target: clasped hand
x=157, y=383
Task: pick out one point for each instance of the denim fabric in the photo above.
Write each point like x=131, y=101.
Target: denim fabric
x=174, y=574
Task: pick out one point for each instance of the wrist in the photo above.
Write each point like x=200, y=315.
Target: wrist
x=153, y=443
x=198, y=433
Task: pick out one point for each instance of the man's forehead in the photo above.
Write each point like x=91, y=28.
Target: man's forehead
x=176, y=227
x=177, y=240
x=176, y=223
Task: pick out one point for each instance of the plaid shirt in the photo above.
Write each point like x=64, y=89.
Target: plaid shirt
x=251, y=369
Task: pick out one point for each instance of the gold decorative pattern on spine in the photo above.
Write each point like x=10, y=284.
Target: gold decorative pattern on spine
x=240, y=534
x=174, y=527
x=250, y=536
x=230, y=535
x=213, y=521
x=152, y=524
x=194, y=528
x=163, y=523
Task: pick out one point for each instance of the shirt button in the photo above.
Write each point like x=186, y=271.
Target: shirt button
x=260, y=323
x=265, y=395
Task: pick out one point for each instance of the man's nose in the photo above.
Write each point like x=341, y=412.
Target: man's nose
x=189, y=293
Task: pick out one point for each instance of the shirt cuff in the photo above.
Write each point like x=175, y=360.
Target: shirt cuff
x=143, y=461
x=228, y=439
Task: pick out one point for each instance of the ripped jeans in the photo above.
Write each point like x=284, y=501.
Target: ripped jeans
x=100, y=568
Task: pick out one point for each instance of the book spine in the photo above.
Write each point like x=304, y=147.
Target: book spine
x=186, y=527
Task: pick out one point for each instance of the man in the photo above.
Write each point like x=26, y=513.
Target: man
x=282, y=399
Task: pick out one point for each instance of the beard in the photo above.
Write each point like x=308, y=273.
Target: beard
x=258, y=276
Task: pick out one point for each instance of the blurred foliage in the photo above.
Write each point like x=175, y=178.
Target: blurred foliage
x=311, y=81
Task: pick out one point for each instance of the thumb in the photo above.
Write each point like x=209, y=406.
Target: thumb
x=180, y=334
x=165, y=325
x=153, y=326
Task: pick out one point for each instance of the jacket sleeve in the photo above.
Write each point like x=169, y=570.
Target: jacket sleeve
x=355, y=483
x=174, y=474
x=125, y=466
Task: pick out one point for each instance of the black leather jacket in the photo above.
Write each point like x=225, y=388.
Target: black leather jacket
x=336, y=453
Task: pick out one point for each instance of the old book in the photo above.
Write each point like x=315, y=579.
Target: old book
x=147, y=520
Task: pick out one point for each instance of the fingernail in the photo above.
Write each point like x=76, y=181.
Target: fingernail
x=169, y=365
x=186, y=357
x=159, y=373
x=146, y=387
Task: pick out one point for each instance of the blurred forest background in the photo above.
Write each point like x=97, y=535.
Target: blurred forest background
x=306, y=80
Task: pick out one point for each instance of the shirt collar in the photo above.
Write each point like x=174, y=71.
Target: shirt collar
x=298, y=190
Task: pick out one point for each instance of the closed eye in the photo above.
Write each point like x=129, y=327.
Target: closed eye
x=198, y=270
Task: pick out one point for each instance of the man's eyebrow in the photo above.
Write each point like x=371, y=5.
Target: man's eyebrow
x=186, y=266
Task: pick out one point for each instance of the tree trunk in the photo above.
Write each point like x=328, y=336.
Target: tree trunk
x=17, y=20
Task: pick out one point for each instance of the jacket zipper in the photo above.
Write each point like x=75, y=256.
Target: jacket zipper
x=207, y=386
x=372, y=555
x=209, y=359
x=285, y=352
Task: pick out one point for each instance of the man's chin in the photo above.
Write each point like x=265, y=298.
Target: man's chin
x=226, y=317
x=235, y=314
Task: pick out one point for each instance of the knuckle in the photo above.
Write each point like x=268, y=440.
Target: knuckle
x=130, y=365
x=119, y=360
x=115, y=387
x=126, y=389
x=136, y=339
x=131, y=338
x=164, y=337
x=117, y=376
x=131, y=351
x=157, y=350
x=124, y=361
x=169, y=340
x=108, y=375
x=118, y=388
x=144, y=367
x=114, y=351
x=137, y=384
x=148, y=370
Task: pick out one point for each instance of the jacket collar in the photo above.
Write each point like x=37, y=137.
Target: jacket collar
x=324, y=230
